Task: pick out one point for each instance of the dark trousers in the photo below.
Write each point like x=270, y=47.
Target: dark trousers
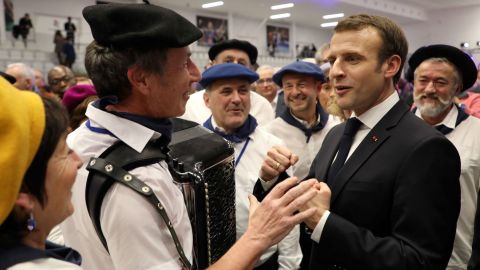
x=270, y=264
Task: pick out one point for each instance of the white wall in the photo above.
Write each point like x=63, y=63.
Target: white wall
x=451, y=27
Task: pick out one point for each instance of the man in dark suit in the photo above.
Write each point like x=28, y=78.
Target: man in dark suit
x=394, y=202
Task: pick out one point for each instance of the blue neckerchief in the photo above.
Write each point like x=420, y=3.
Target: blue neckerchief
x=161, y=125
x=286, y=115
x=461, y=116
x=240, y=135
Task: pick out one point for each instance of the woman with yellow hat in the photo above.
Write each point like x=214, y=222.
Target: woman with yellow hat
x=37, y=171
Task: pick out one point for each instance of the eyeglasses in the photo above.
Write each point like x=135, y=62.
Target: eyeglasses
x=438, y=84
x=267, y=81
x=65, y=78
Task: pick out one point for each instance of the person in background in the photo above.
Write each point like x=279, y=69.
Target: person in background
x=70, y=29
x=60, y=78
x=227, y=95
x=74, y=100
x=24, y=27
x=37, y=171
x=321, y=54
x=23, y=74
x=440, y=72
x=266, y=87
x=59, y=41
x=69, y=53
x=303, y=125
x=230, y=51
x=328, y=98
x=389, y=193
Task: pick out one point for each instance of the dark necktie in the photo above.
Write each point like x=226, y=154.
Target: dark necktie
x=351, y=127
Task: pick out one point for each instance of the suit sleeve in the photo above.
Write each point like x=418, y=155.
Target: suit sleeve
x=423, y=214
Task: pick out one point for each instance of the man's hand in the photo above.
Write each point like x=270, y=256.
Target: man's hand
x=278, y=160
x=272, y=219
x=320, y=202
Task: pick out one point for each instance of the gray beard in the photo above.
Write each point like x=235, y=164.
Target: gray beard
x=432, y=109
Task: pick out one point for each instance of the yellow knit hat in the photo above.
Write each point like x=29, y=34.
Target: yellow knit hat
x=22, y=122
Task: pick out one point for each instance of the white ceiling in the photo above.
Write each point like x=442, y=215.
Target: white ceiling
x=310, y=12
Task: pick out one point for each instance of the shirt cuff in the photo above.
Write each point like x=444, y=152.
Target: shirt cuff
x=317, y=232
x=268, y=184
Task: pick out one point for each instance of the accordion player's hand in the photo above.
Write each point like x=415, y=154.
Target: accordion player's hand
x=278, y=159
x=272, y=219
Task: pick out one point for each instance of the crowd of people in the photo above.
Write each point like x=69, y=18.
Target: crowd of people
x=337, y=165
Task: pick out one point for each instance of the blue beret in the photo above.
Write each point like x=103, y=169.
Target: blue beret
x=225, y=71
x=139, y=25
x=300, y=67
x=462, y=61
x=241, y=45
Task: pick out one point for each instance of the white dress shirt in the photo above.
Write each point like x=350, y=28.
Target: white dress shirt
x=137, y=237
x=246, y=175
x=466, y=138
x=197, y=111
x=369, y=119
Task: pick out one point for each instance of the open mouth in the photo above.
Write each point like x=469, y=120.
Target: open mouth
x=341, y=90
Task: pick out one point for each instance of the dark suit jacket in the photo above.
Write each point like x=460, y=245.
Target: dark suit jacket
x=396, y=201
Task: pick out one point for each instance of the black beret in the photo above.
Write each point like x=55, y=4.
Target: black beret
x=300, y=67
x=242, y=45
x=227, y=71
x=461, y=60
x=8, y=77
x=139, y=25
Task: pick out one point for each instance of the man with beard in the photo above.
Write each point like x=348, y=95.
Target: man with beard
x=440, y=73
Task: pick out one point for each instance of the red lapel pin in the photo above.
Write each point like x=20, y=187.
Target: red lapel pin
x=374, y=138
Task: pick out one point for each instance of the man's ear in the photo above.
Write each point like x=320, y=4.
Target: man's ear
x=393, y=64
x=138, y=78
x=206, y=98
x=25, y=201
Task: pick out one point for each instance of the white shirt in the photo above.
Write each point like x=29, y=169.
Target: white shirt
x=369, y=120
x=466, y=139
x=296, y=141
x=246, y=175
x=45, y=264
x=197, y=111
x=137, y=237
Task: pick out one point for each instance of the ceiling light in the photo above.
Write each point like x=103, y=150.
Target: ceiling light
x=212, y=4
x=282, y=6
x=464, y=45
x=280, y=16
x=329, y=24
x=333, y=16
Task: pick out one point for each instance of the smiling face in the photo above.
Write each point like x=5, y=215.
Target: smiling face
x=169, y=91
x=356, y=75
x=300, y=94
x=435, y=86
x=229, y=101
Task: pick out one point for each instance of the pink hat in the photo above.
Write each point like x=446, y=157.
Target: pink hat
x=76, y=94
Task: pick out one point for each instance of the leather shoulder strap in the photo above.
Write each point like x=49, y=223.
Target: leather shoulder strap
x=113, y=166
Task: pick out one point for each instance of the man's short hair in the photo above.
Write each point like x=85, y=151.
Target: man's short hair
x=393, y=38
x=107, y=67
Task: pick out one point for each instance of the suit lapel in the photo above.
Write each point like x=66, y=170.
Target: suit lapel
x=374, y=139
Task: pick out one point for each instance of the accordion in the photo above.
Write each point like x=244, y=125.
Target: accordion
x=202, y=166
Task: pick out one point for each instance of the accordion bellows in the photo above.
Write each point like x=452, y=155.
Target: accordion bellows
x=202, y=165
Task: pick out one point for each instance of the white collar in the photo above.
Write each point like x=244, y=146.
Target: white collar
x=450, y=119
x=371, y=117
x=129, y=132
